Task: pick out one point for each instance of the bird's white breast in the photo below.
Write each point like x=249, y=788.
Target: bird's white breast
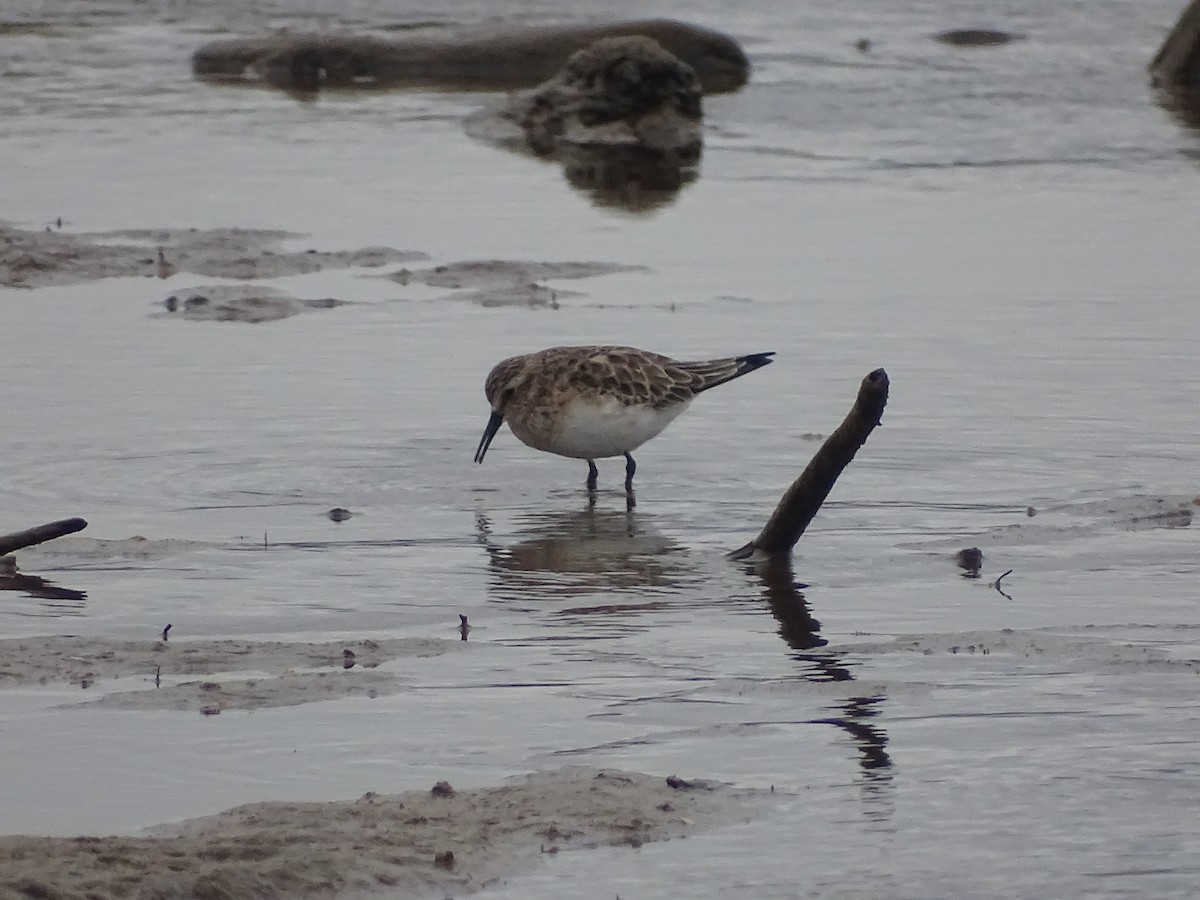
x=597, y=429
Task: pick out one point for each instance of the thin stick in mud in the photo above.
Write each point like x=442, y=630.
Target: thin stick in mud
x=802, y=500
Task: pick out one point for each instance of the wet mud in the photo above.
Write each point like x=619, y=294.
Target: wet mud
x=240, y=303
x=498, y=282
x=420, y=843
x=210, y=675
x=33, y=259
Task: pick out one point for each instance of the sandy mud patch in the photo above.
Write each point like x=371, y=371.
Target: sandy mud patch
x=1102, y=649
x=1065, y=522
x=421, y=843
x=265, y=673
x=240, y=303
x=84, y=549
x=502, y=282
x=40, y=258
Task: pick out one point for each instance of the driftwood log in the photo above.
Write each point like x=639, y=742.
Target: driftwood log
x=802, y=500
x=490, y=59
x=39, y=534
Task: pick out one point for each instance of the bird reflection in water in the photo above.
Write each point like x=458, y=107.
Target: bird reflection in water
x=583, y=552
x=562, y=554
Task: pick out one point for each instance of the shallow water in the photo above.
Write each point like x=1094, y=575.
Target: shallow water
x=1008, y=231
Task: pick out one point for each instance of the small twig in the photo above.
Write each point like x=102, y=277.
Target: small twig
x=166, y=631
x=996, y=584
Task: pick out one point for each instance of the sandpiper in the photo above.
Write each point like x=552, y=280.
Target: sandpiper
x=595, y=402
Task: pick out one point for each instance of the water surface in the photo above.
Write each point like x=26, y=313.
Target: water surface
x=1009, y=232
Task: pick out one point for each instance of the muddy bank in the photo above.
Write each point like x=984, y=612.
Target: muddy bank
x=476, y=60
x=40, y=258
x=421, y=843
x=157, y=674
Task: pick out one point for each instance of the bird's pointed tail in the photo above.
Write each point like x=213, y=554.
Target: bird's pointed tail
x=713, y=372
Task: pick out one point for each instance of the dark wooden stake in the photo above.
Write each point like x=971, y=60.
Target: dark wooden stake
x=40, y=534
x=802, y=500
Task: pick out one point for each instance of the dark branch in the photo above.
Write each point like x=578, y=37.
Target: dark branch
x=802, y=500
x=39, y=534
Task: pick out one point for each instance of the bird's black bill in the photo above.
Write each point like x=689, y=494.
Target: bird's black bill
x=493, y=426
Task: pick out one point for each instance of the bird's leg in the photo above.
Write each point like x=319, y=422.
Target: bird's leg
x=630, y=468
x=593, y=474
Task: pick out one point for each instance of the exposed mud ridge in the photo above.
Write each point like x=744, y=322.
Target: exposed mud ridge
x=39, y=258
x=1103, y=649
x=416, y=844
x=86, y=549
x=1074, y=521
x=240, y=303
x=296, y=672
x=501, y=282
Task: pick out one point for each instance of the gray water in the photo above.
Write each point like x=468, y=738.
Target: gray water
x=1010, y=232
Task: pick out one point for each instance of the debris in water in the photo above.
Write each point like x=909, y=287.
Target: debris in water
x=971, y=560
x=163, y=268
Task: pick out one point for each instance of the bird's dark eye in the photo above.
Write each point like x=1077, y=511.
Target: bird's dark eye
x=507, y=394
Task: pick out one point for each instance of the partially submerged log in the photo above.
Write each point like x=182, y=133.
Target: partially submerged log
x=480, y=60
x=39, y=534
x=802, y=500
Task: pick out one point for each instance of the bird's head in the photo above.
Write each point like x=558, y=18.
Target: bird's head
x=504, y=384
